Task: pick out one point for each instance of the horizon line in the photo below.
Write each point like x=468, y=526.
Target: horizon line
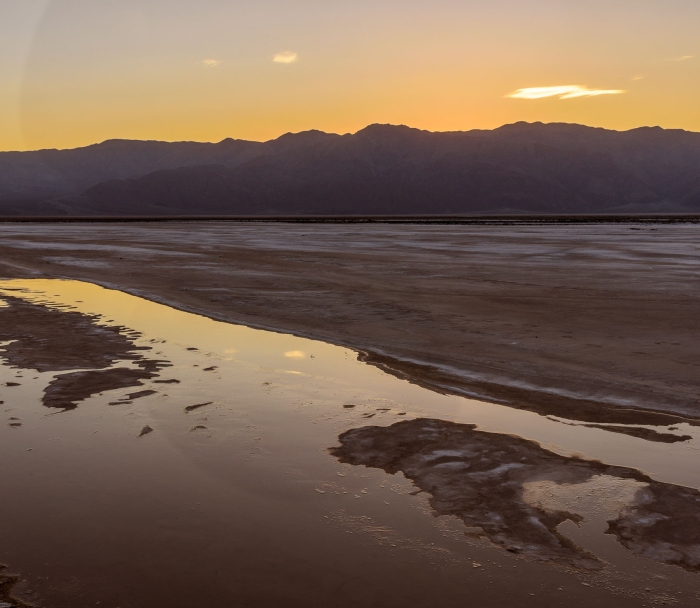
x=292, y=133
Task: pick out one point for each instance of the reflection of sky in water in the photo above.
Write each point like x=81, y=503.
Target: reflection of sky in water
x=274, y=411
x=271, y=350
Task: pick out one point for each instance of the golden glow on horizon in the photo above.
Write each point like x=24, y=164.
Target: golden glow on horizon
x=77, y=72
x=570, y=91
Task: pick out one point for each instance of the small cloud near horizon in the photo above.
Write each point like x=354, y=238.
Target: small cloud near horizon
x=637, y=77
x=285, y=57
x=569, y=91
x=684, y=58
x=211, y=63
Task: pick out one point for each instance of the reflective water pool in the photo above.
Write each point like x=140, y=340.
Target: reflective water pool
x=152, y=457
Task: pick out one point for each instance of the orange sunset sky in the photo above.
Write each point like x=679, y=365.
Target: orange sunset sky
x=76, y=72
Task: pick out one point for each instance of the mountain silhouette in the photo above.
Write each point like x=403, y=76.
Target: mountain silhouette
x=380, y=170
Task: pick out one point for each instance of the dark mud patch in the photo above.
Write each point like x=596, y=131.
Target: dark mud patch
x=501, y=487
x=67, y=390
x=642, y=433
x=7, y=585
x=139, y=394
x=47, y=339
x=146, y=430
x=196, y=406
x=533, y=400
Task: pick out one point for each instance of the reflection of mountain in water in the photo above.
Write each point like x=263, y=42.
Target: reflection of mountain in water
x=516, y=493
x=48, y=339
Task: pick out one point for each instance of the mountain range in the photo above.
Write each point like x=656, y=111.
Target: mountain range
x=381, y=170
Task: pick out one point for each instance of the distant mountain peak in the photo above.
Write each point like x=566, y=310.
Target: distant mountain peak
x=386, y=133
x=388, y=128
x=311, y=134
x=381, y=169
x=538, y=126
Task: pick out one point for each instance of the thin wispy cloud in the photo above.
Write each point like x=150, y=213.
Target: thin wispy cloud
x=637, y=77
x=211, y=63
x=683, y=58
x=569, y=91
x=285, y=57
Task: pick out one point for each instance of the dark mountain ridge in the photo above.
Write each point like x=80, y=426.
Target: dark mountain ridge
x=381, y=170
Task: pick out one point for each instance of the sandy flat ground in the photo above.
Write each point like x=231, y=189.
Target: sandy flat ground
x=592, y=322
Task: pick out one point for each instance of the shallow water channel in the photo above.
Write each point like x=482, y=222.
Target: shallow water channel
x=153, y=457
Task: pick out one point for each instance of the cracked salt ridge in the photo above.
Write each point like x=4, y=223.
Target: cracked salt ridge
x=503, y=381
x=526, y=396
x=622, y=403
x=463, y=470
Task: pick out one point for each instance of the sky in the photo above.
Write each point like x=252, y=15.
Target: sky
x=77, y=72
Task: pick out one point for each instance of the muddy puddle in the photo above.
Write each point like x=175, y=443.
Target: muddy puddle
x=151, y=457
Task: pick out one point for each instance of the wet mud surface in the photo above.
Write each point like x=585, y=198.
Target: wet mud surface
x=48, y=339
x=481, y=478
x=162, y=459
